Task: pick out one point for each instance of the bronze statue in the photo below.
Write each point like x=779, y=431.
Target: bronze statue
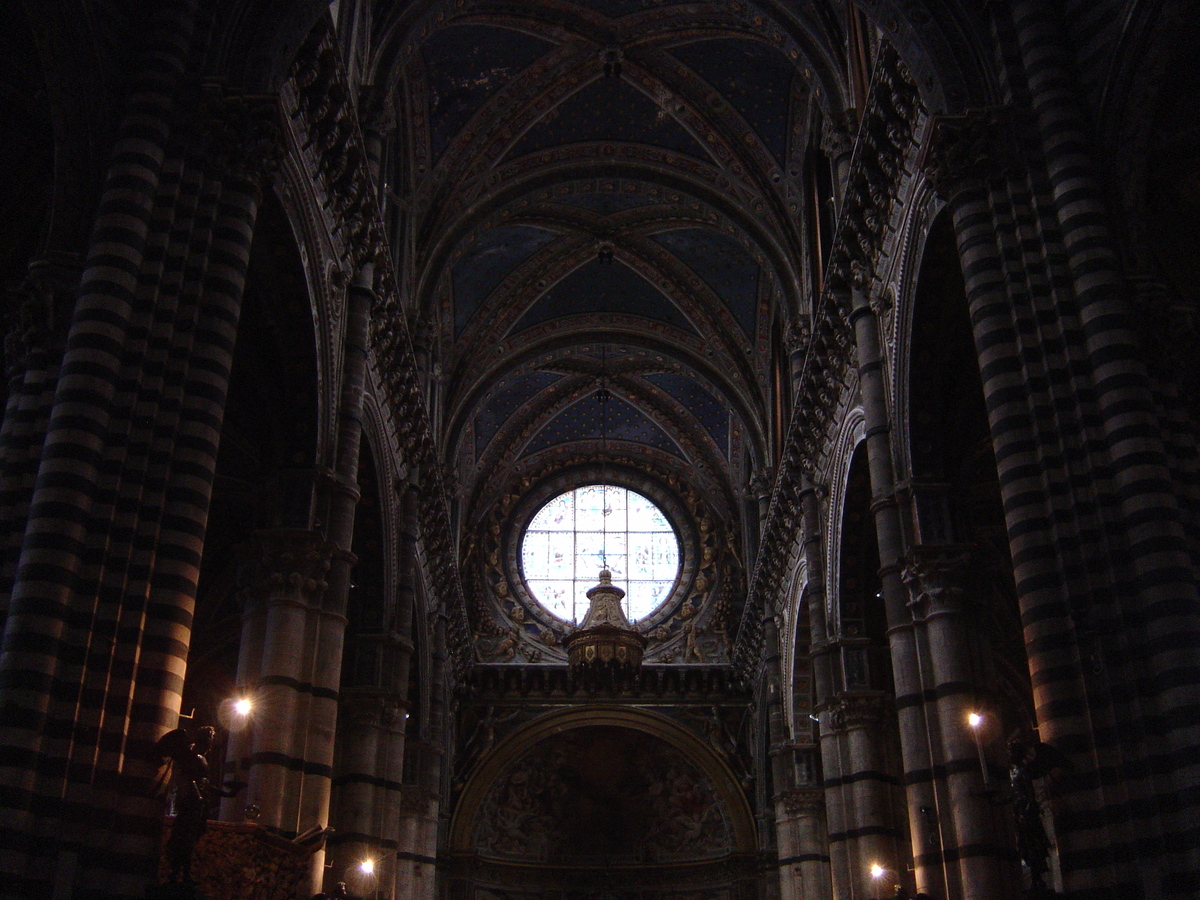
x=194, y=795
x=1029, y=761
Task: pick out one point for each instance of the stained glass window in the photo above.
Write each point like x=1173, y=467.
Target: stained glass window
x=580, y=532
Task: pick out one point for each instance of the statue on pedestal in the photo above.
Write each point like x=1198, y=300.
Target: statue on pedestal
x=187, y=759
x=1029, y=761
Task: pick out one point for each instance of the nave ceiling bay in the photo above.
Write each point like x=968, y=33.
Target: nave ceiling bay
x=608, y=194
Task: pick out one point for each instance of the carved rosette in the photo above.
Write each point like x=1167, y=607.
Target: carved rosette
x=937, y=581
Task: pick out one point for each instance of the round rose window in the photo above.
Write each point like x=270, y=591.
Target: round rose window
x=578, y=533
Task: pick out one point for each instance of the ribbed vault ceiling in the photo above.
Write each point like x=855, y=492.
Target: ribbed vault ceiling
x=606, y=190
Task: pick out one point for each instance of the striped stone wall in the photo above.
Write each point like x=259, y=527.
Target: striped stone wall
x=98, y=622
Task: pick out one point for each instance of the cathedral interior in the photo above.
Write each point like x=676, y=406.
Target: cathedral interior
x=601, y=449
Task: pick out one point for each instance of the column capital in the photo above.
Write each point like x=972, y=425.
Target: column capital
x=762, y=482
x=287, y=563
x=804, y=801
x=39, y=309
x=859, y=712
x=967, y=150
x=239, y=135
x=937, y=579
x=798, y=333
x=837, y=137
x=371, y=710
x=376, y=109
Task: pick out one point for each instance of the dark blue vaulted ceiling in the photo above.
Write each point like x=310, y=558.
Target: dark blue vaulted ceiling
x=602, y=192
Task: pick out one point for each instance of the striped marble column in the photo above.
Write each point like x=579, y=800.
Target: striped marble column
x=417, y=858
x=283, y=584
x=814, y=558
x=779, y=756
x=1165, y=610
x=33, y=351
x=368, y=783
x=369, y=767
x=1072, y=575
x=973, y=839
x=867, y=834
x=922, y=791
x=804, y=857
x=296, y=593
x=116, y=526
x=811, y=865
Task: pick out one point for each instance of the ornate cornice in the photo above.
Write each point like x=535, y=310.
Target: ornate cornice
x=884, y=143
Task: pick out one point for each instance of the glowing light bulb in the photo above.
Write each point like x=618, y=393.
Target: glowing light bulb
x=242, y=707
x=877, y=870
x=974, y=720
x=367, y=866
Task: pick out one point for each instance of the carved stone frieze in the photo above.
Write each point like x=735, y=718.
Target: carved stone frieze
x=884, y=143
x=318, y=102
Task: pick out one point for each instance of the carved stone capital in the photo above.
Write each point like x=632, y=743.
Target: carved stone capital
x=375, y=110
x=239, y=136
x=39, y=310
x=882, y=299
x=1170, y=330
x=937, y=580
x=859, y=712
x=761, y=483
x=370, y=711
x=286, y=563
x=837, y=139
x=798, y=334
x=968, y=150
x=808, y=802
